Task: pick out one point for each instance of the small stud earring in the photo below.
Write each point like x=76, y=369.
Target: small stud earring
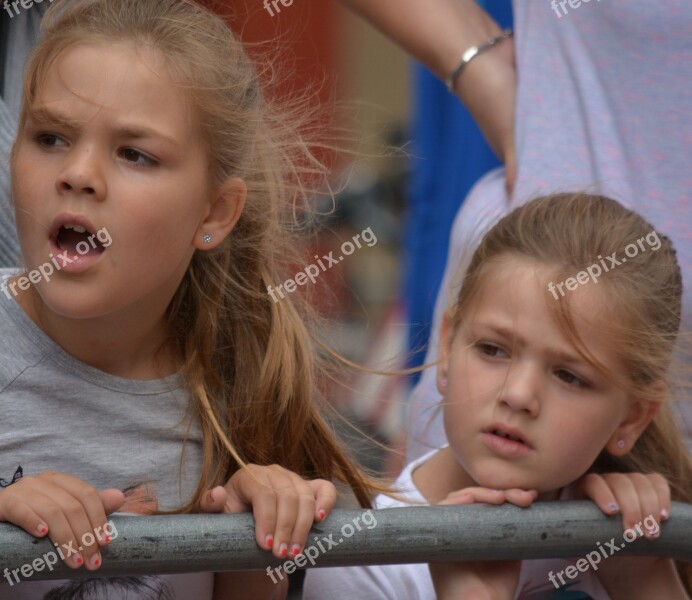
x=621, y=443
x=443, y=382
x=207, y=238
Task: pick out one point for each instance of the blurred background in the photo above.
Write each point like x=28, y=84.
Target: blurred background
x=348, y=63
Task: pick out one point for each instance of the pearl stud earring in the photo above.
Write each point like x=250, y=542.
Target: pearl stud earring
x=621, y=443
x=443, y=382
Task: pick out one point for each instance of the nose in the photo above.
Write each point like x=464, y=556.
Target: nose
x=82, y=174
x=521, y=388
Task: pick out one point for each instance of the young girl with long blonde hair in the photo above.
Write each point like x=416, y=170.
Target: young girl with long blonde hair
x=145, y=368
x=555, y=385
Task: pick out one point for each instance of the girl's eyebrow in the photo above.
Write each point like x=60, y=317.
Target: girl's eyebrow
x=45, y=116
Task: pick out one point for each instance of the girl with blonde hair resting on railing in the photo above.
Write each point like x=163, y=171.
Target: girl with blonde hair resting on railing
x=552, y=396
x=156, y=190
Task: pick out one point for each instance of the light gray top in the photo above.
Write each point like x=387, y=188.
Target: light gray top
x=63, y=415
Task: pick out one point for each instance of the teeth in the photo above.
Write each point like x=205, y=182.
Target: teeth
x=77, y=228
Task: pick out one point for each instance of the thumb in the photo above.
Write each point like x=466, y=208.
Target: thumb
x=214, y=500
x=112, y=499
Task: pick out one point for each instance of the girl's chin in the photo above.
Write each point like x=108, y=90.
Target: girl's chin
x=70, y=306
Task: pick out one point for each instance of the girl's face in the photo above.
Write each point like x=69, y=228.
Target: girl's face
x=110, y=145
x=522, y=408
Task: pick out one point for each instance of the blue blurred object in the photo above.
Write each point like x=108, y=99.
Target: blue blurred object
x=449, y=156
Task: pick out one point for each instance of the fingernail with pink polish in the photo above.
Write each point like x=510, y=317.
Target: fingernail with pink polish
x=283, y=549
x=269, y=540
x=295, y=549
x=321, y=515
x=42, y=529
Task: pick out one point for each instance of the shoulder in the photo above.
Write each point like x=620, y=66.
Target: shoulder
x=19, y=351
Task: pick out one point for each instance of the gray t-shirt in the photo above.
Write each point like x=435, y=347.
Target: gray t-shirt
x=62, y=415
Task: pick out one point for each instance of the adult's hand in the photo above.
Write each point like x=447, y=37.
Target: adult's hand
x=437, y=32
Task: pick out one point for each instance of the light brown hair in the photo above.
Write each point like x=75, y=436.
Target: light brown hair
x=249, y=363
x=567, y=233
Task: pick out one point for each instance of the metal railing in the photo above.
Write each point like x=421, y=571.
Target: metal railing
x=195, y=543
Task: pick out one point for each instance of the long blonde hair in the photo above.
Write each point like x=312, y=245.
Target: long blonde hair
x=567, y=233
x=249, y=363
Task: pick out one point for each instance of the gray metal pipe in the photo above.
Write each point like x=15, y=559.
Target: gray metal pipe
x=190, y=543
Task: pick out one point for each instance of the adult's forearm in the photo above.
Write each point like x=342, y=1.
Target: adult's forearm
x=436, y=32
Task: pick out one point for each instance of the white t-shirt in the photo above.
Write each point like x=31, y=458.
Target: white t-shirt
x=413, y=581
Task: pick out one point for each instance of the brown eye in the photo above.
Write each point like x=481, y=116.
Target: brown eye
x=571, y=379
x=47, y=140
x=490, y=350
x=137, y=158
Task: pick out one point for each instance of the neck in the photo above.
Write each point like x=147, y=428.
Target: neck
x=440, y=476
x=132, y=343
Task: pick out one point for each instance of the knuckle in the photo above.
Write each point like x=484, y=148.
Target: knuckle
x=12, y=503
x=73, y=509
x=53, y=512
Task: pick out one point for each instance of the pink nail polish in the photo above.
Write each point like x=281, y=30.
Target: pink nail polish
x=295, y=549
x=78, y=560
x=664, y=513
x=42, y=528
x=321, y=515
x=283, y=549
x=270, y=540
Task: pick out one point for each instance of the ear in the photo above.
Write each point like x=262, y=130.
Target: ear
x=641, y=412
x=223, y=214
x=443, y=351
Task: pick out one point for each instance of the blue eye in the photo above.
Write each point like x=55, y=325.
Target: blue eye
x=137, y=158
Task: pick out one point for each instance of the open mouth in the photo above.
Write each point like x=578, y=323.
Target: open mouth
x=507, y=436
x=77, y=239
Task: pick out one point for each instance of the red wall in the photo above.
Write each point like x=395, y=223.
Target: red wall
x=302, y=34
